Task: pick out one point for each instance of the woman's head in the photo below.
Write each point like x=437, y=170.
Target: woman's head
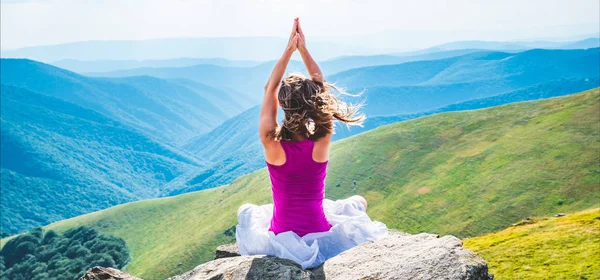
x=310, y=108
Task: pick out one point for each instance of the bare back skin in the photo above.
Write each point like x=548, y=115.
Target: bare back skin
x=275, y=155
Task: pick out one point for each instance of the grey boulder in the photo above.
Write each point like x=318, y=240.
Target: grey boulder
x=398, y=256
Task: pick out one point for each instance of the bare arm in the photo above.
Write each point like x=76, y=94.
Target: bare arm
x=268, y=112
x=321, y=149
x=311, y=65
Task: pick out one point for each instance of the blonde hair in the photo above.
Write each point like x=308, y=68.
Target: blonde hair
x=310, y=108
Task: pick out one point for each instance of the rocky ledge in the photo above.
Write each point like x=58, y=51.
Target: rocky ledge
x=398, y=256
x=106, y=273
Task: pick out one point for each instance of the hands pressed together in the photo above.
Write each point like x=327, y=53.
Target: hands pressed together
x=297, y=40
x=268, y=113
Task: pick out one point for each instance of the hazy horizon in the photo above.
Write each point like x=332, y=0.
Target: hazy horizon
x=383, y=24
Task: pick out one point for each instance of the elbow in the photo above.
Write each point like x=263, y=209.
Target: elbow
x=318, y=77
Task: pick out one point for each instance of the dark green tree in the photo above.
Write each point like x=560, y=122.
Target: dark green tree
x=49, y=255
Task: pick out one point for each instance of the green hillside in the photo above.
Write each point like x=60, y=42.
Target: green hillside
x=464, y=173
x=544, y=248
x=234, y=149
x=469, y=173
x=60, y=160
x=405, y=91
x=427, y=85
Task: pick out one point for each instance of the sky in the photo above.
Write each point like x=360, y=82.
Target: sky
x=46, y=22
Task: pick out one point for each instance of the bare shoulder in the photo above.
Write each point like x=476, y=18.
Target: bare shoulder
x=321, y=148
x=325, y=140
x=274, y=153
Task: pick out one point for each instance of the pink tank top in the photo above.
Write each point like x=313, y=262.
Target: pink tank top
x=298, y=188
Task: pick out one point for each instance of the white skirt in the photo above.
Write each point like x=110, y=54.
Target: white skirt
x=351, y=226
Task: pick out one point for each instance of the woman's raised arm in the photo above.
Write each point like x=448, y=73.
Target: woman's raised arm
x=268, y=112
x=311, y=65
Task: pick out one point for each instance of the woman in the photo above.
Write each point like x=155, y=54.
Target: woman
x=301, y=225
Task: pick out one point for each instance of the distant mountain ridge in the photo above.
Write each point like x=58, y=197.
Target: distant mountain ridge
x=165, y=109
x=540, y=91
x=410, y=90
x=523, y=45
x=437, y=174
x=205, y=114
x=330, y=66
x=73, y=140
x=255, y=48
x=517, y=67
x=246, y=80
x=61, y=160
x=591, y=42
x=388, y=70
x=84, y=66
x=258, y=48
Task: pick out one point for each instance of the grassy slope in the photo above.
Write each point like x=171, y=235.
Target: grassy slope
x=549, y=248
x=465, y=173
x=404, y=91
x=481, y=170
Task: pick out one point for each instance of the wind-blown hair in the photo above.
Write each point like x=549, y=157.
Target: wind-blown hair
x=310, y=108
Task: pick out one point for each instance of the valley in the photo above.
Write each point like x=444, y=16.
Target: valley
x=462, y=173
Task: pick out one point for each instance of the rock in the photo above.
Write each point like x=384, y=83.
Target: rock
x=106, y=273
x=398, y=256
x=524, y=221
x=227, y=251
x=405, y=256
x=247, y=267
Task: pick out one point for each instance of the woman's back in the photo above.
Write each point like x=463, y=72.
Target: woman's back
x=298, y=188
x=301, y=225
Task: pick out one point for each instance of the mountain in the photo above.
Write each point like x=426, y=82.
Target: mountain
x=229, y=101
x=460, y=173
x=512, y=69
x=330, y=66
x=410, y=90
x=249, y=81
x=229, y=137
x=170, y=111
x=540, y=91
x=83, y=66
x=231, y=48
x=425, y=85
x=583, y=44
x=344, y=63
x=61, y=160
x=481, y=73
x=592, y=42
x=485, y=45
x=232, y=148
x=558, y=246
x=268, y=48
